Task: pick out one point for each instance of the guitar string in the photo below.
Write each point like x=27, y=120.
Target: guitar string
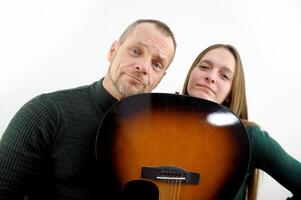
x=176, y=185
x=162, y=194
x=173, y=188
x=179, y=188
x=170, y=190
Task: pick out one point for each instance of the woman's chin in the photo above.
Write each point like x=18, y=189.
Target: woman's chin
x=201, y=95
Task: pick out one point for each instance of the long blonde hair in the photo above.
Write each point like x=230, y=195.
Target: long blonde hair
x=236, y=102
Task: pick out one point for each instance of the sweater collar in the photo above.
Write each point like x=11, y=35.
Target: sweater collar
x=104, y=98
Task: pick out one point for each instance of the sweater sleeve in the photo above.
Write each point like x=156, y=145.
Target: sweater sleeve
x=24, y=147
x=269, y=156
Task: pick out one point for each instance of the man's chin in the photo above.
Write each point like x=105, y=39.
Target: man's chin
x=132, y=91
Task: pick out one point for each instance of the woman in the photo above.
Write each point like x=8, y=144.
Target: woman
x=217, y=75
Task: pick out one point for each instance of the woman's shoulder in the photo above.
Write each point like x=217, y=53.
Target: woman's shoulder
x=251, y=126
x=256, y=133
x=263, y=146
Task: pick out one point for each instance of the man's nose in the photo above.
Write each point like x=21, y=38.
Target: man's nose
x=143, y=67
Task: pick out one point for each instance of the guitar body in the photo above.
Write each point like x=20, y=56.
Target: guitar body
x=169, y=135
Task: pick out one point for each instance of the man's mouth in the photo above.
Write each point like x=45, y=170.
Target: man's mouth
x=139, y=81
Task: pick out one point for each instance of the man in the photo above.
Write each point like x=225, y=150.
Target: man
x=47, y=151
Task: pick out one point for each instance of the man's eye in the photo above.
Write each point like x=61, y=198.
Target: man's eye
x=134, y=51
x=158, y=66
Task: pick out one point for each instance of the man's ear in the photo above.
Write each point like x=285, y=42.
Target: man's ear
x=113, y=50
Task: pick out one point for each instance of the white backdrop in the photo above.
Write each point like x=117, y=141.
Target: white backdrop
x=48, y=45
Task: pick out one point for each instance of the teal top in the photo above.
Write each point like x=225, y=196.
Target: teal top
x=269, y=156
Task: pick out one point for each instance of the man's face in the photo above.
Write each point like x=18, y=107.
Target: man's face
x=139, y=63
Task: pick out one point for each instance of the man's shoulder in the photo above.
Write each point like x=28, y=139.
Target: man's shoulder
x=63, y=97
x=70, y=91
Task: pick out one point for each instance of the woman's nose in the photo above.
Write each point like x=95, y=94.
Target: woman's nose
x=210, y=78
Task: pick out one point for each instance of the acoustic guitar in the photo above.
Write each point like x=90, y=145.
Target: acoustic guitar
x=169, y=146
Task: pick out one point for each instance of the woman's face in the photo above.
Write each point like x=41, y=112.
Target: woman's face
x=211, y=78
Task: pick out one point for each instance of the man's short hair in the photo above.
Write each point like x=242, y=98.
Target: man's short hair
x=160, y=25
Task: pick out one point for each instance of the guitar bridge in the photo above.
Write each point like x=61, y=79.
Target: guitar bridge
x=168, y=173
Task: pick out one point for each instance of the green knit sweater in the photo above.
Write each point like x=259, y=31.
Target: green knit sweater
x=47, y=151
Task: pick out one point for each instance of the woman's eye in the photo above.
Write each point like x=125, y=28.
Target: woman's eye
x=225, y=76
x=203, y=67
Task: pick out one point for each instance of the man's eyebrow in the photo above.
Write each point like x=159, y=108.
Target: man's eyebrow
x=143, y=44
x=158, y=57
